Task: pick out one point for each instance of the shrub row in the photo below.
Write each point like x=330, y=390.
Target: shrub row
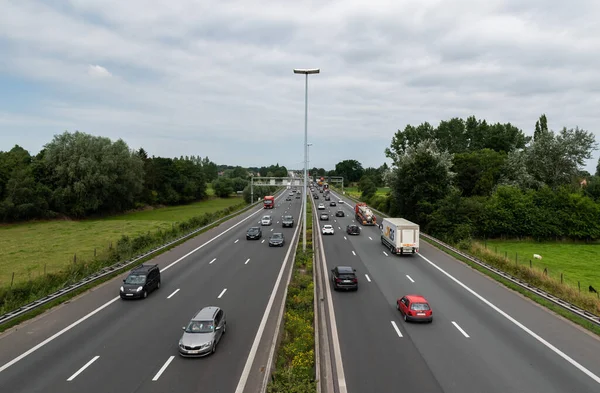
x=126, y=247
x=294, y=369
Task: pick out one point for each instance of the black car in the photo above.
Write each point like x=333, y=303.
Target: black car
x=340, y=213
x=332, y=203
x=297, y=196
x=353, y=229
x=344, y=277
x=140, y=281
x=287, y=221
x=316, y=196
x=288, y=198
x=324, y=217
x=276, y=240
x=327, y=198
x=254, y=233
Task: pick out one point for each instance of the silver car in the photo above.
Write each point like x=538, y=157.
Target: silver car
x=203, y=333
x=266, y=220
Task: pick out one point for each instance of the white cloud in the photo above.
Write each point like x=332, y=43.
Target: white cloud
x=215, y=77
x=98, y=71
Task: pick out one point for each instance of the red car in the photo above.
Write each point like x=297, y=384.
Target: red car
x=415, y=308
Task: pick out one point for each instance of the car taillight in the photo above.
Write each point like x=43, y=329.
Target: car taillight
x=338, y=280
x=355, y=280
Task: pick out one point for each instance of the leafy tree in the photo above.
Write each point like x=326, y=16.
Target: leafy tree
x=238, y=184
x=350, y=170
x=211, y=171
x=223, y=187
x=478, y=172
x=421, y=179
x=367, y=187
x=92, y=174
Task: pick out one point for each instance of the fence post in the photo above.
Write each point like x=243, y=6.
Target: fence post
x=579, y=286
x=12, y=279
x=505, y=255
x=561, y=278
x=94, y=252
x=530, y=265
x=546, y=271
x=516, y=258
x=74, y=258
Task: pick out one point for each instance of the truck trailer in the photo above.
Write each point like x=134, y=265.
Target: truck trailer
x=400, y=236
x=364, y=215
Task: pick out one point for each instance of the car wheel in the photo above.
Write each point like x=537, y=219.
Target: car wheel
x=145, y=294
x=158, y=285
x=214, y=347
x=405, y=318
x=224, y=327
x=397, y=306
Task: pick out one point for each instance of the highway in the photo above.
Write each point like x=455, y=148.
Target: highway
x=484, y=338
x=132, y=346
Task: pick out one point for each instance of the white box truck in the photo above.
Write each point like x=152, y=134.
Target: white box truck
x=400, y=235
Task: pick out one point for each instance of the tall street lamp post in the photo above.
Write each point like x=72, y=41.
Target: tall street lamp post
x=306, y=72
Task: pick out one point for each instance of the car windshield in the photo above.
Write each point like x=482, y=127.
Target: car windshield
x=287, y=217
x=253, y=229
x=327, y=227
x=265, y=218
x=200, y=327
x=136, y=279
x=419, y=306
x=346, y=276
x=277, y=236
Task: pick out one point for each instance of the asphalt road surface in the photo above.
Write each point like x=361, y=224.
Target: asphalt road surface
x=484, y=338
x=131, y=346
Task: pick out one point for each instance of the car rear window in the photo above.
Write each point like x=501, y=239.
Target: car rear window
x=347, y=276
x=419, y=306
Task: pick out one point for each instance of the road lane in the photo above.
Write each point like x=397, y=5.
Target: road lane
x=497, y=356
x=135, y=338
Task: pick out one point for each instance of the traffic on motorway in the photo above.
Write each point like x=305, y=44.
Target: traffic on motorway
x=483, y=337
x=212, y=297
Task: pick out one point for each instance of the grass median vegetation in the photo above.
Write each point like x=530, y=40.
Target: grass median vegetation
x=140, y=231
x=295, y=365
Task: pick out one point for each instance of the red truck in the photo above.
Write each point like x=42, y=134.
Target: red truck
x=269, y=202
x=364, y=215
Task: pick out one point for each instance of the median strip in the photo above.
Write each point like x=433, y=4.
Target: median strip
x=295, y=361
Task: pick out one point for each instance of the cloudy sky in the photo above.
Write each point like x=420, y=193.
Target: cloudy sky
x=214, y=78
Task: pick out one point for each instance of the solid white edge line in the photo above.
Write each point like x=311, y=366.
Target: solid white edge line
x=563, y=355
x=222, y=293
x=410, y=278
x=368, y=278
x=163, y=368
x=335, y=340
x=353, y=253
x=247, y=260
x=72, y=377
x=210, y=263
x=460, y=329
x=263, y=323
x=173, y=294
x=397, y=329
x=56, y=335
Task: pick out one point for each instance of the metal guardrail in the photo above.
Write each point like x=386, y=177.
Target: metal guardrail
x=111, y=269
x=588, y=316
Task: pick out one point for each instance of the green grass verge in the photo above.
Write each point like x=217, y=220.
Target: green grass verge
x=578, y=262
x=295, y=365
x=353, y=191
x=25, y=292
x=32, y=249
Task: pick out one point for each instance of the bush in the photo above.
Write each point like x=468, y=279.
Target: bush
x=126, y=247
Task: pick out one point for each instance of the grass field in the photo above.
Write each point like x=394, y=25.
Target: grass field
x=577, y=262
x=26, y=249
x=353, y=191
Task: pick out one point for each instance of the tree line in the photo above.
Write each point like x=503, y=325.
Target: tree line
x=79, y=175
x=467, y=178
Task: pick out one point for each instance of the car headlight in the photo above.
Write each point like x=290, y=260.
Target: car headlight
x=139, y=289
x=181, y=343
x=208, y=344
x=122, y=290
